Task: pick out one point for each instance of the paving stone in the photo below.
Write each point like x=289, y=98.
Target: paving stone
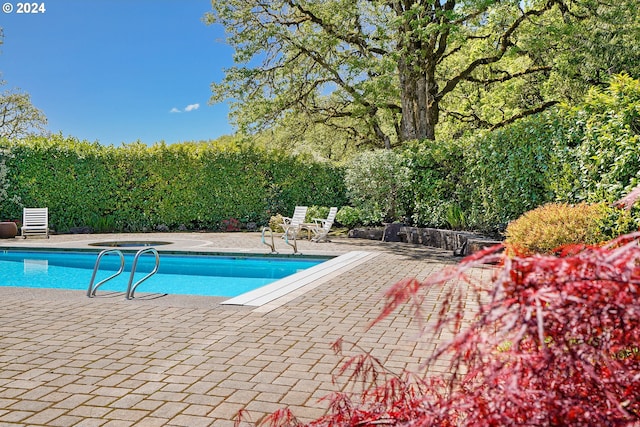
x=44, y=416
x=15, y=416
x=169, y=409
x=191, y=420
x=126, y=414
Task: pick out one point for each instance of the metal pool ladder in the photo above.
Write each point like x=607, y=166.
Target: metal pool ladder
x=264, y=242
x=131, y=289
x=91, y=292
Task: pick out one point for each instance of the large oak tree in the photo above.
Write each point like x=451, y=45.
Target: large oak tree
x=389, y=70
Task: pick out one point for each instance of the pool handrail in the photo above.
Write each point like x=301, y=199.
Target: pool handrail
x=91, y=292
x=264, y=242
x=294, y=245
x=132, y=288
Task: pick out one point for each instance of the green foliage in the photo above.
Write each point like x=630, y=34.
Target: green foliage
x=296, y=133
x=275, y=223
x=437, y=168
x=480, y=181
x=298, y=180
x=456, y=217
x=18, y=117
x=141, y=188
x=378, y=184
x=5, y=184
x=605, y=162
x=511, y=170
x=553, y=225
x=597, y=49
x=320, y=212
x=349, y=216
x=383, y=73
x=65, y=175
x=616, y=221
x=484, y=180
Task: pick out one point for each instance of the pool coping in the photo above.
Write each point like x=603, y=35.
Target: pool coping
x=281, y=291
x=91, y=248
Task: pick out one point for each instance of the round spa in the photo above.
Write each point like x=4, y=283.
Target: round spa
x=129, y=244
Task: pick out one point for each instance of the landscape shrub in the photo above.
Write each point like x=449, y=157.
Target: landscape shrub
x=349, y=216
x=604, y=164
x=378, y=184
x=511, y=170
x=436, y=171
x=74, y=179
x=231, y=224
x=317, y=212
x=484, y=180
x=5, y=183
x=553, y=342
x=135, y=187
x=299, y=180
x=553, y=225
x=455, y=216
x=275, y=223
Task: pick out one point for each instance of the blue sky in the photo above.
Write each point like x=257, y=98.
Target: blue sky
x=118, y=71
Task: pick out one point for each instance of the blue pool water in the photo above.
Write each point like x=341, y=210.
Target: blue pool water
x=178, y=274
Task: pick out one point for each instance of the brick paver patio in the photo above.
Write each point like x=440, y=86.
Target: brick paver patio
x=67, y=360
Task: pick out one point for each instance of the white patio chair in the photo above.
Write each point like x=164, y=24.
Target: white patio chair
x=323, y=226
x=292, y=225
x=35, y=222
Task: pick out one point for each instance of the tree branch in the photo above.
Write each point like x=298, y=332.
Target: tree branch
x=524, y=113
x=505, y=43
x=340, y=34
x=506, y=76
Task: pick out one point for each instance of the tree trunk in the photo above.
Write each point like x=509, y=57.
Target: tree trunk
x=417, y=78
x=420, y=105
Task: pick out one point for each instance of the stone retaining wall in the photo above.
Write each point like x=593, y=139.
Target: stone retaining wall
x=462, y=243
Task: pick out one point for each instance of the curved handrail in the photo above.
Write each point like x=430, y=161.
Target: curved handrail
x=295, y=242
x=272, y=245
x=132, y=288
x=91, y=292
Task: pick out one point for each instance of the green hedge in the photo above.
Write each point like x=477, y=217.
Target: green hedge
x=512, y=170
x=604, y=163
x=137, y=187
x=437, y=173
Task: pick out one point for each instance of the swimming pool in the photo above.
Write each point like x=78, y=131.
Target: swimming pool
x=182, y=274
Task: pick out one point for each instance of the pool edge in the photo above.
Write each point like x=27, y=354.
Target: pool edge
x=277, y=293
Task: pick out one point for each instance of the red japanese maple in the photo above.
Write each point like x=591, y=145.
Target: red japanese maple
x=554, y=340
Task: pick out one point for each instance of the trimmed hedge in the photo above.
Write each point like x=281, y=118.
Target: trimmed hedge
x=511, y=170
x=135, y=187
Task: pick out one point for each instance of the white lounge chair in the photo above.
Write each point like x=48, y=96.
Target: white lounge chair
x=323, y=226
x=35, y=222
x=292, y=225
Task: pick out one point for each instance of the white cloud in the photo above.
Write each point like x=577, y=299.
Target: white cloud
x=190, y=107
